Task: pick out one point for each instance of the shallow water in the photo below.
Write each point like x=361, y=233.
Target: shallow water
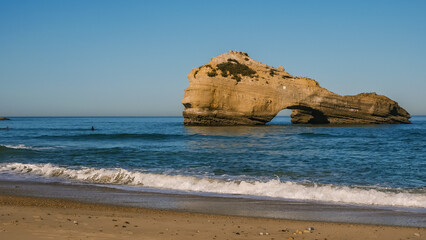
x=375, y=165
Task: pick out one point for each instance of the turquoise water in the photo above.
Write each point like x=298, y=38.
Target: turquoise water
x=377, y=165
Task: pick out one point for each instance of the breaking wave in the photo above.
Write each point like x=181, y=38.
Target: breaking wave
x=273, y=188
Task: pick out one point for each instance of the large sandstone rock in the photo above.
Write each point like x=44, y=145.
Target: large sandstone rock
x=233, y=89
x=3, y=118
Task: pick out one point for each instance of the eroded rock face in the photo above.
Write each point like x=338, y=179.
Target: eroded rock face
x=233, y=89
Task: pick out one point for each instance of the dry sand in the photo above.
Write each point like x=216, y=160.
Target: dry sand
x=43, y=218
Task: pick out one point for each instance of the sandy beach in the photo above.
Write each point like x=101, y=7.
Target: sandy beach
x=48, y=218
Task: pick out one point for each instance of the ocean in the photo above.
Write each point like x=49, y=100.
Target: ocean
x=375, y=166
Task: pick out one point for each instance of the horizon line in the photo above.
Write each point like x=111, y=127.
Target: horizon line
x=148, y=116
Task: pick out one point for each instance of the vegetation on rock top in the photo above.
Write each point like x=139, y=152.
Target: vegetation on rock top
x=235, y=69
x=231, y=68
x=272, y=72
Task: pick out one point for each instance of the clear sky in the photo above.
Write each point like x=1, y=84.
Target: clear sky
x=131, y=58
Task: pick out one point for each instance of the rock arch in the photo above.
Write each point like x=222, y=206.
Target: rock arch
x=233, y=89
x=304, y=114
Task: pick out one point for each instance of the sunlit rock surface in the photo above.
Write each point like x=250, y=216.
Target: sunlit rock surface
x=233, y=89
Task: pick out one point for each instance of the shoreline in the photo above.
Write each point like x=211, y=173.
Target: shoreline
x=40, y=218
x=218, y=205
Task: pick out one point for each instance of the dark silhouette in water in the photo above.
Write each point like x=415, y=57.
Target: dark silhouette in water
x=93, y=129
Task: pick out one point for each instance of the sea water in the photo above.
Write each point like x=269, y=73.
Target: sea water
x=371, y=165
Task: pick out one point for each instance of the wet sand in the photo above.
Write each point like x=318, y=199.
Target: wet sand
x=50, y=218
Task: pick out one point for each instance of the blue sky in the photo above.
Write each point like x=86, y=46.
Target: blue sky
x=131, y=58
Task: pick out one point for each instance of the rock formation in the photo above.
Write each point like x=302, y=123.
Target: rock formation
x=233, y=89
x=3, y=118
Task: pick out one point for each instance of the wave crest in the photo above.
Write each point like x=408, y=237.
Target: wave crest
x=272, y=188
x=18, y=146
x=24, y=147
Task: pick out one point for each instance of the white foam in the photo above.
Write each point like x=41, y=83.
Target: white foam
x=272, y=188
x=19, y=146
x=22, y=146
